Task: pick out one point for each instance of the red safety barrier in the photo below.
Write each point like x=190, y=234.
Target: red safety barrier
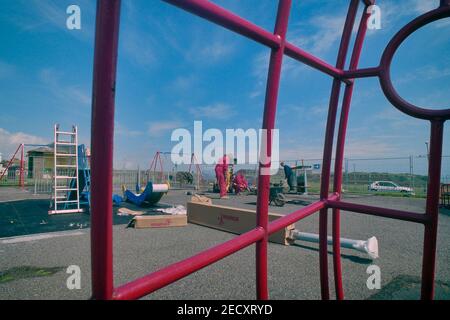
x=107, y=27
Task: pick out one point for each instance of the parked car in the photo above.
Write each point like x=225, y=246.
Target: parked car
x=389, y=186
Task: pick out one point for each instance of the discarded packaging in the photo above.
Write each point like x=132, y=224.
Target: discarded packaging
x=174, y=210
x=128, y=212
x=234, y=220
x=160, y=221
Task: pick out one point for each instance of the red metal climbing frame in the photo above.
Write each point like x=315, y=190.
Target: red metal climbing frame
x=107, y=29
x=157, y=162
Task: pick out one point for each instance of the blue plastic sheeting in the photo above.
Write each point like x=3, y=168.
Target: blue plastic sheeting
x=138, y=199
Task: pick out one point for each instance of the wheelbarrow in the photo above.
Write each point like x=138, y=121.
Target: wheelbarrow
x=276, y=196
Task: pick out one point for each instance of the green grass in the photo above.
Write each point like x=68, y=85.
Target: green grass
x=24, y=272
x=362, y=189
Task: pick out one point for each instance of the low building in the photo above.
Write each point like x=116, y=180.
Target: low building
x=40, y=162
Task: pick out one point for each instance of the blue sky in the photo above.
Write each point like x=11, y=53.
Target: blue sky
x=175, y=68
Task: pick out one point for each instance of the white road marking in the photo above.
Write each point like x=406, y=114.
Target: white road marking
x=38, y=237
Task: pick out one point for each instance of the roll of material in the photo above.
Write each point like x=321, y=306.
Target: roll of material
x=163, y=187
x=369, y=246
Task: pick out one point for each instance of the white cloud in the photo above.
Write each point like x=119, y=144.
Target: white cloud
x=9, y=141
x=126, y=164
x=217, y=50
x=79, y=95
x=260, y=66
x=121, y=130
x=311, y=112
x=354, y=148
x=428, y=72
x=219, y=111
x=369, y=147
x=395, y=11
x=137, y=43
x=329, y=31
x=50, y=15
x=394, y=119
x=138, y=46
x=183, y=83
x=158, y=128
x=53, y=81
x=423, y=6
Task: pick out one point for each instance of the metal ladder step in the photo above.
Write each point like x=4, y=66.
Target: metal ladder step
x=65, y=211
x=66, y=133
x=66, y=155
x=66, y=189
x=65, y=143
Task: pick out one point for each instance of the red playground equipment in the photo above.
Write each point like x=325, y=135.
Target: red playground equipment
x=155, y=165
x=198, y=170
x=20, y=148
x=107, y=31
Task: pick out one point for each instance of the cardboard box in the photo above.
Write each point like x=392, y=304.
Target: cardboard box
x=159, y=221
x=234, y=220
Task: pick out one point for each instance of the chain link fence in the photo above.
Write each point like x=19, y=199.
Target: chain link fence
x=358, y=174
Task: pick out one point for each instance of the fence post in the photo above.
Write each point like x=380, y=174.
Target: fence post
x=346, y=174
x=306, y=179
x=22, y=163
x=411, y=171
x=35, y=184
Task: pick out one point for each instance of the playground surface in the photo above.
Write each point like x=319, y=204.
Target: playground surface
x=35, y=255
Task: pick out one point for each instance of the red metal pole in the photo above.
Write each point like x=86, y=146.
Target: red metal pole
x=328, y=149
x=312, y=61
x=216, y=14
x=379, y=212
x=432, y=210
x=153, y=164
x=161, y=167
x=229, y=20
x=10, y=162
x=295, y=216
x=362, y=73
x=340, y=145
x=273, y=82
x=165, y=276
x=102, y=140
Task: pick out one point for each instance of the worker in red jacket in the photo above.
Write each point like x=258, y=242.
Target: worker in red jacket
x=221, y=173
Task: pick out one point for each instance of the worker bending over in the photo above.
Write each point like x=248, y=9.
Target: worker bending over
x=239, y=183
x=289, y=174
